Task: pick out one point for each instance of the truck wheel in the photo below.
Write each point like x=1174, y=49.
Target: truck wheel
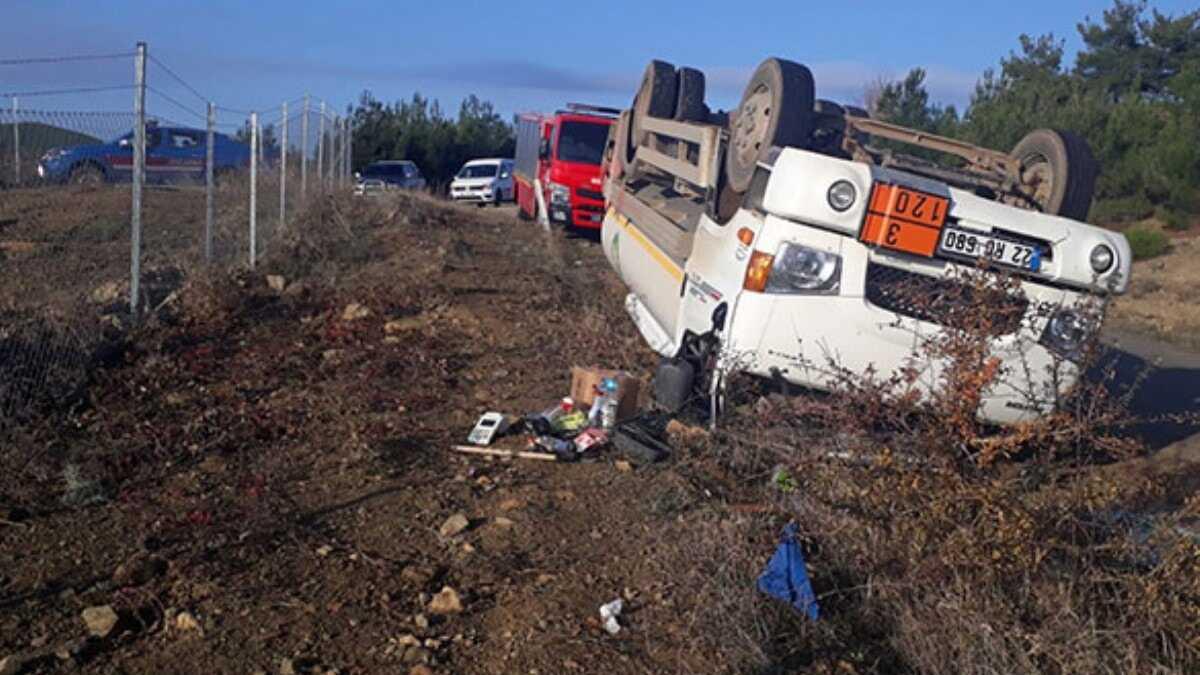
x=655, y=97
x=689, y=103
x=86, y=174
x=776, y=109
x=1058, y=171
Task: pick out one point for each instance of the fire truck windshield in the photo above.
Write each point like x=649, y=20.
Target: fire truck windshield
x=582, y=142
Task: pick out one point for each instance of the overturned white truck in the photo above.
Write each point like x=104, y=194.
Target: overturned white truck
x=791, y=239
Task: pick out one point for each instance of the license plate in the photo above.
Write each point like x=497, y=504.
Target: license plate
x=959, y=243
x=904, y=219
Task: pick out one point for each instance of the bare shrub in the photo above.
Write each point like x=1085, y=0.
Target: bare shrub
x=975, y=548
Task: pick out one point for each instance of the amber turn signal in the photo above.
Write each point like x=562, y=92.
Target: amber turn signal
x=758, y=271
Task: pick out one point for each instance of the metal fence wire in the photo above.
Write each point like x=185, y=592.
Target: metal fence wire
x=106, y=207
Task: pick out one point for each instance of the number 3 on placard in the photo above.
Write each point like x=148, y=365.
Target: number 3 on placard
x=892, y=231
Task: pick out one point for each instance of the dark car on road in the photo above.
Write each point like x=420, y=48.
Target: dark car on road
x=388, y=175
x=172, y=154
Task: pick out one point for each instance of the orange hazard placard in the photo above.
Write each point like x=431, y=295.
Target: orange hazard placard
x=904, y=219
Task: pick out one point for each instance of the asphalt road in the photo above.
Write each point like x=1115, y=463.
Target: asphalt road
x=1165, y=382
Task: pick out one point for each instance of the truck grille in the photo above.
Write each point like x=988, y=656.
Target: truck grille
x=589, y=194
x=945, y=302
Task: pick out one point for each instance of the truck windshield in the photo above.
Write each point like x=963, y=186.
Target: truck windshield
x=478, y=171
x=582, y=142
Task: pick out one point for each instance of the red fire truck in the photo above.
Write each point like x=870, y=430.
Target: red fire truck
x=557, y=165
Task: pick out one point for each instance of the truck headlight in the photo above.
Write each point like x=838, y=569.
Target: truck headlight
x=1102, y=258
x=560, y=195
x=1066, y=332
x=795, y=269
x=841, y=195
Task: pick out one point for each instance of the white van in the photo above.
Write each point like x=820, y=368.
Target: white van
x=484, y=181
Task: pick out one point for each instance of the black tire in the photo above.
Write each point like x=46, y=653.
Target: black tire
x=86, y=173
x=498, y=197
x=1058, y=169
x=828, y=108
x=655, y=97
x=776, y=110
x=689, y=101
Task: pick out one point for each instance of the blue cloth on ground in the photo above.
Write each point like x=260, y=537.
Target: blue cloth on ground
x=786, y=577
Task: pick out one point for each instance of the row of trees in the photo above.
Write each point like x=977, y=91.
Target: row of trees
x=418, y=130
x=1133, y=93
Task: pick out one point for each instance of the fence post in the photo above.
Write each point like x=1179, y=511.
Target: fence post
x=16, y=142
x=210, y=139
x=283, y=170
x=304, y=152
x=321, y=148
x=139, y=171
x=253, y=188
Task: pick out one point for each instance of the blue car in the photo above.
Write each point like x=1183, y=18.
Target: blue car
x=173, y=154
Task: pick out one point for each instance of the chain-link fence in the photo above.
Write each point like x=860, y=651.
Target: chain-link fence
x=118, y=180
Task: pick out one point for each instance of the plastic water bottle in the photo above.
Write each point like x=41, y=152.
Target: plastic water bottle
x=608, y=405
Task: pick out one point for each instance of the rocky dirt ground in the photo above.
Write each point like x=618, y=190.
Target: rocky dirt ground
x=257, y=479
x=1162, y=296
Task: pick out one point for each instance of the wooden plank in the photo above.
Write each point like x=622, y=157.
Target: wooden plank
x=671, y=165
x=706, y=137
x=497, y=452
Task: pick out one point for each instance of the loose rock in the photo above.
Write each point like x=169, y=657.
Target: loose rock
x=454, y=525
x=446, y=602
x=100, y=620
x=420, y=669
x=186, y=621
x=355, y=311
x=276, y=282
x=139, y=570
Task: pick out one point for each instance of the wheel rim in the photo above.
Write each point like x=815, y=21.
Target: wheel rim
x=1036, y=174
x=750, y=127
x=86, y=176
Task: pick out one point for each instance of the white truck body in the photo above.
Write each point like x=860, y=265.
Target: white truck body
x=687, y=275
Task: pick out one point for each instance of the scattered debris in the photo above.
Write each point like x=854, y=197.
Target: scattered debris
x=609, y=613
x=101, y=620
x=623, y=466
x=276, y=282
x=324, y=550
x=446, y=601
x=454, y=525
x=504, y=522
x=786, y=576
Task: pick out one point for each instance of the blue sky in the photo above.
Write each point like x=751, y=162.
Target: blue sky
x=520, y=55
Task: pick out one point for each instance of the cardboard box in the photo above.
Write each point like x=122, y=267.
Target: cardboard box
x=584, y=382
